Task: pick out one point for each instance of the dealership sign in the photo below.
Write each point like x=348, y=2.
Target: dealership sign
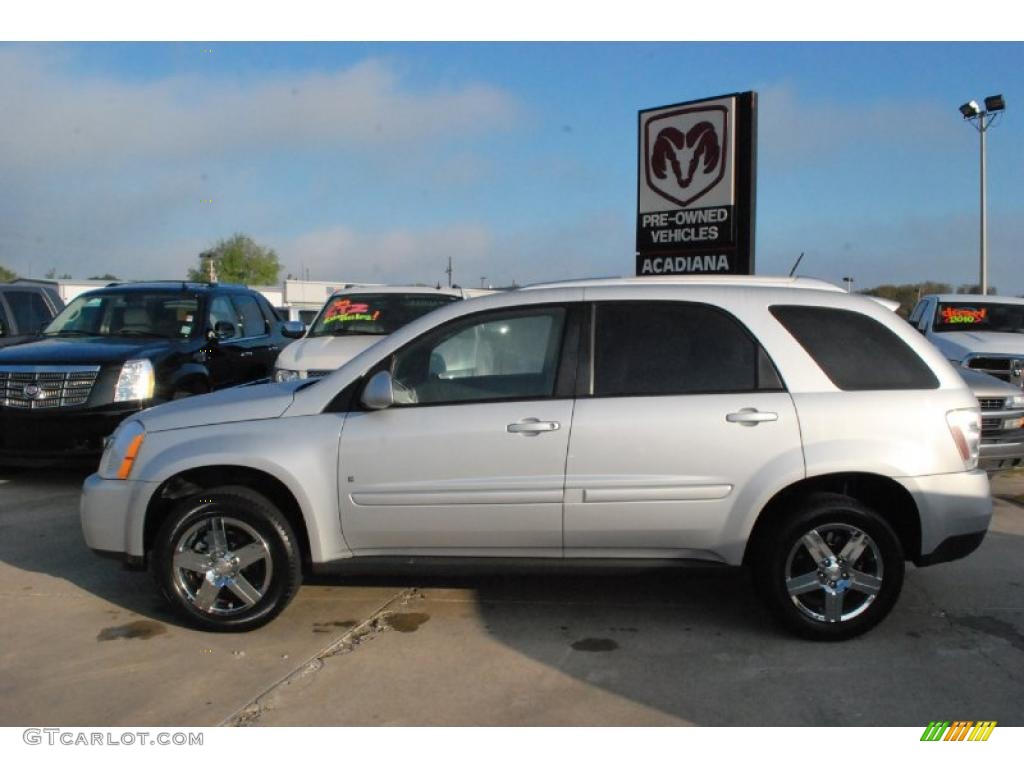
x=695, y=192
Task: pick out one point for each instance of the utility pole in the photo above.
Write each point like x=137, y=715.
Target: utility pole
x=449, y=271
x=982, y=119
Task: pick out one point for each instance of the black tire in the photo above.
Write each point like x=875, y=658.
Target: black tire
x=846, y=590
x=248, y=595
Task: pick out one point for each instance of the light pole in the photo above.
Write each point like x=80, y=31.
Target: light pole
x=982, y=119
x=849, y=284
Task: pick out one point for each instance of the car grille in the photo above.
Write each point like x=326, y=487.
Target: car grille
x=36, y=387
x=988, y=426
x=1005, y=368
x=317, y=374
x=991, y=403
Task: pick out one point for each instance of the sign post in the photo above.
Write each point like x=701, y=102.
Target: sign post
x=696, y=187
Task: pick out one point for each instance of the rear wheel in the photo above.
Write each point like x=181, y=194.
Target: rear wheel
x=227, y=559
x=832, y=571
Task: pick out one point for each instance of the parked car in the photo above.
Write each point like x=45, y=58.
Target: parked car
x=352, y=320
x=1002, y=420
x=809, y=434
x=114, y=351
x=24, y=310
x=985, y=333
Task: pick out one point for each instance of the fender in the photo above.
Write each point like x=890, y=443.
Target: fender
x=308, y=469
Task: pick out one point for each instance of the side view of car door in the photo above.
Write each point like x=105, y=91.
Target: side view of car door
x=680, y=411
x=470, y=459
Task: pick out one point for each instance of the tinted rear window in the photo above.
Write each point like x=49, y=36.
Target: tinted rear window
x=855, y=351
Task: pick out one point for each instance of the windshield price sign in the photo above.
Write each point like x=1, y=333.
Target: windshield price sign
x=695, y=191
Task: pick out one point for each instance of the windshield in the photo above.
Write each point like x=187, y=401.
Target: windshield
x=979, y=316
x=376, y=314
x=163, y=315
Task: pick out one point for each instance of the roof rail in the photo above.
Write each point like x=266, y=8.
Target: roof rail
x=737, y=280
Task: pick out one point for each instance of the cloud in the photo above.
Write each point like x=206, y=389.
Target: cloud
x=795, y=131
x=55, y=119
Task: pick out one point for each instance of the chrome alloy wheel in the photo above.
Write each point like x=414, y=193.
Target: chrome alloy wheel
x=222, y=566
x=834, y=572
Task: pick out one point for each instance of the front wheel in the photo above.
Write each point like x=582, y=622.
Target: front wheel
x=227, y=559
x=832, y=571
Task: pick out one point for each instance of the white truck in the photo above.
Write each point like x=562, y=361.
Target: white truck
x=985, y=333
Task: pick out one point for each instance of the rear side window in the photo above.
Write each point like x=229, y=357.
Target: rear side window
x=672, y=348
x=855, y=351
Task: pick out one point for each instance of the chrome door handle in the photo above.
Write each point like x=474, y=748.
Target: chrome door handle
x=532, y=427
x=751, y=417
x=246, y=353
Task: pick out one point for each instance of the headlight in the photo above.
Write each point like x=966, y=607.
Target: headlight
x=965, y=428
x=283, y=374
x=1014, y=402
x=135, y=382
x=121, y=451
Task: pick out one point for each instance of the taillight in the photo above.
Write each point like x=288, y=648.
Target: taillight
x=965, y=427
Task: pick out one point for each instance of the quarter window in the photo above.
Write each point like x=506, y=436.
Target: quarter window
x=223, y=311
x=512, y=355
x=855, y=351
x=667, y=348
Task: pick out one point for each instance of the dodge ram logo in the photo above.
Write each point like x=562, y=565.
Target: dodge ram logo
x=685, y=152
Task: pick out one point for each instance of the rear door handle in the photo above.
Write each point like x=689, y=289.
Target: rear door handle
x=246, y=353
x=532, y=427
x=751, y=417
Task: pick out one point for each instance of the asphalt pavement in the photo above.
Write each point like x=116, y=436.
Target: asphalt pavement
x=83, y=642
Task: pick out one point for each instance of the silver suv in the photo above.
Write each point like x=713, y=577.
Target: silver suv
x=779, y=424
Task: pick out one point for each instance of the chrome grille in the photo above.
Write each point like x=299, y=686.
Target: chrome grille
x=991, y=403
x=34, y=387
x=991, y=425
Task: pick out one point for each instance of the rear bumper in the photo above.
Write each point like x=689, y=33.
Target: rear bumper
x=955, y=511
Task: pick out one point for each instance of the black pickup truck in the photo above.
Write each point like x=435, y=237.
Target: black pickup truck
x=114, y=351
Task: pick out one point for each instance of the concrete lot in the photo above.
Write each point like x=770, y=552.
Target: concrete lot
x=84, y=642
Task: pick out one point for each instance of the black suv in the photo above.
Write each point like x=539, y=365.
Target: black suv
x=119, y=349
x=24, y=309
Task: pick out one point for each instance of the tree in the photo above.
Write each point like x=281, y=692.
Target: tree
x=907, y=294
x=975, y=288
x=238, y=260
x=6, y=276
x=106, y=276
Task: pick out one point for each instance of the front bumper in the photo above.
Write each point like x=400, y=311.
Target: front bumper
x=113, y=514
x=1004, y=451
x=30, y=437
x=955, y=511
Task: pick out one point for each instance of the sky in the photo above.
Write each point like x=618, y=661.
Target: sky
x=376, y=162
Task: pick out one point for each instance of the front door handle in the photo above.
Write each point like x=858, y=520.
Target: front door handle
x=532, y=427
x=751, y=417
x=245, y=353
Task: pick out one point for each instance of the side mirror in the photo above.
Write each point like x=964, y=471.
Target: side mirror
x=293, y=329
x=379, y=393
x=222, y=330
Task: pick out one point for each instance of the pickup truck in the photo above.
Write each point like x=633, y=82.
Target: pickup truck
x=984, y=333
x=1002, y=421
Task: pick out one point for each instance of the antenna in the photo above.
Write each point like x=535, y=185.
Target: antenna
x=796, y=264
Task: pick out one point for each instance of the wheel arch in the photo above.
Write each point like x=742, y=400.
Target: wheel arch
x=190, y=481
x=880, y=493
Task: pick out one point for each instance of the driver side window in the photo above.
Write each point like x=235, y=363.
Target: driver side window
x=498, y=356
